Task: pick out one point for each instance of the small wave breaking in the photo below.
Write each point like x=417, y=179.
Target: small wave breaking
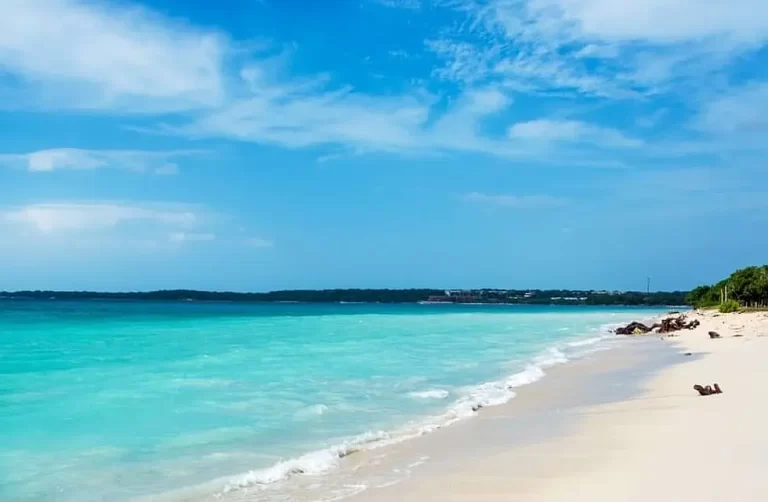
x=430, y=394
x=472, y=400
x=312, y=463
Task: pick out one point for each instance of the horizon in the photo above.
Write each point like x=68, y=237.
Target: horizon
x=265, y=292
x=277, y=146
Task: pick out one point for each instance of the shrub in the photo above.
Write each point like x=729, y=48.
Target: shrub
x=729, y=306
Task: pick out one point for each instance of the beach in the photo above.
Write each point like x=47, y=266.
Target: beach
x=461, y=403
x=228, y=401
x=624, y=425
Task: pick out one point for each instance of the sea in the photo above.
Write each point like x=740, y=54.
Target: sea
x=127, y=401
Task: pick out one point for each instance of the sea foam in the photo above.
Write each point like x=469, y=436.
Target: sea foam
x=475, y=398
x=430, y=394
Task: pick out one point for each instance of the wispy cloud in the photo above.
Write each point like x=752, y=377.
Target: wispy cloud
x=88, y=217
x=597, y=47
x=309, y=111
x=104, y=56
x=399, y=53
x=738, y=111
x=157, y=162
x=399, y=4
x=572, y=131
x=125, y=58
x=464, y=61
x=515, y=201
x=191, y=237
x=661, y=21
x=306, y=112
x=153, y=225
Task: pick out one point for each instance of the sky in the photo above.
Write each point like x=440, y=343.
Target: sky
x=284, y=144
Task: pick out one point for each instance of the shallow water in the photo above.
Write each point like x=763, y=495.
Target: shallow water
x=113, y=400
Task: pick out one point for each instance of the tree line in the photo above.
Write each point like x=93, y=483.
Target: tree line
x=525, y=297
x=747, y=286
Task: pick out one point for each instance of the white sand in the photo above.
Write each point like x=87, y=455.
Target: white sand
x=666, y=444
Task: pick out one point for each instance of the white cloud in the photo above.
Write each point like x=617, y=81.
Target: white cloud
x=101, y=55
x=661, y=21
x=47, y=227
x=86, y=217
x=89, y=217
x=464, y=61
x=602, y=51
x=740, y=111
x=516, y=201
x=158, y=162
x=605, y=48
x=571, y=131
x=191, y=237
x=125, y=57
x=297, y=113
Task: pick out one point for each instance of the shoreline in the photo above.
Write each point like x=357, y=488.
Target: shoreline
x=508, y=354
x=358, y=468
x=622, y=425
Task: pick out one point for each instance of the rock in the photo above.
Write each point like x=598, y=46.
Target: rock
x=667, y=325
x=714, y=334
x=633, y=328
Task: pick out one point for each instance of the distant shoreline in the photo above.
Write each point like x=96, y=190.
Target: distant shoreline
x=376, y=296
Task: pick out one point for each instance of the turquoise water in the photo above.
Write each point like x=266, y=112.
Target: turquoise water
x=116, y=401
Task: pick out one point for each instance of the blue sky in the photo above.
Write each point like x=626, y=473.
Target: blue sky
x=381, y=143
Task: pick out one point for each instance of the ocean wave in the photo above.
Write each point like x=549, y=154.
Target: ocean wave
x=429, y=394
x=528, y=376
x=474, y=399
x=312, y=463
x=586, y=342
x=551, y=357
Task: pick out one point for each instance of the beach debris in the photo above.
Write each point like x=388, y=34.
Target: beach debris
x=667, y=325
x=707, y=390
x=688, y=353
x=633, y=328
x=714, y=334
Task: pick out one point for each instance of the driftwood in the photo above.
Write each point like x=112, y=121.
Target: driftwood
x=707, y=391
x=633, y=328
x=667, y=325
